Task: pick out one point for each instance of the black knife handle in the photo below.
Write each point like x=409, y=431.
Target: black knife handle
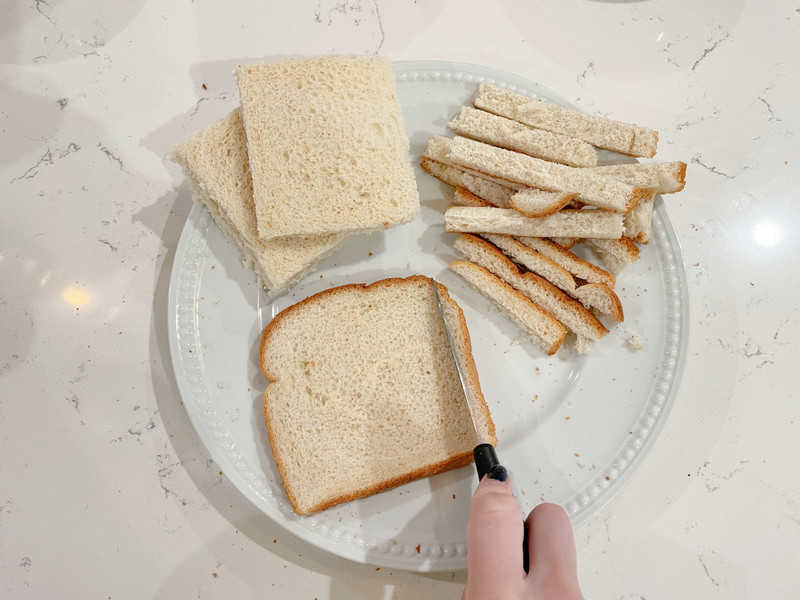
x=485, y=460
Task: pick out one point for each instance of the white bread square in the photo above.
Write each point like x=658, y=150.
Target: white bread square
x=327, y=145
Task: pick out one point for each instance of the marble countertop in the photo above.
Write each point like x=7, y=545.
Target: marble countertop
x=105, y=489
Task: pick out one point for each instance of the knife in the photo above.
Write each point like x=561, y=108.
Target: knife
x=484, y=453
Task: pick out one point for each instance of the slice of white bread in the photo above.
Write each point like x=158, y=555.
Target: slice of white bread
x=615, y=254
x=533, y=319
x=565, y=242
x=215, y=160
x=493, y=193
x=533, y=203
x=327, y=145
x=565, y=223
x=543, y=293
x=595, y=190
x=595, y=296
x=438, y=147
x=665, y=178
x=363, y=391
x=601, y=132
x=601, y=298
x=499, y=131
x=639, y=222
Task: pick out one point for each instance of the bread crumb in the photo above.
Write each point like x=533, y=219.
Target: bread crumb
x=369, y=253
x=608, y=478
x=567, y=418
x=577, y=454
x=274, y=541
x=418, y=550
x=204, y=86
x=377, y=568
x=635, y=342
x=535, y=397
x=538, y=370
x=213, y=574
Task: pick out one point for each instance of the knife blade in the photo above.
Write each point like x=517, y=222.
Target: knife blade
x=484, y=453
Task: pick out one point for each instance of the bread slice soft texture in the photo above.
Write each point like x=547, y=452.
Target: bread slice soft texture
x=540, y=291
x=327, y=145
x=533, y=319
x=569, y=223
x=534, y=203
x=506, y=133
x=493, y=193
x=639, y=222
x=438, y=147
x=665, y=178
x=615, y=254
x=599, y=131
x=595, y=190
x=569, y=261
x=364, y=394
x=215, y=160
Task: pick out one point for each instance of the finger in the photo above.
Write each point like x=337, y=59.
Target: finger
x=551, y=543
x=494, y=541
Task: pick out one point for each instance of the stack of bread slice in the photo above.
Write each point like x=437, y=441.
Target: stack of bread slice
x=317, y=152
x=528, y=189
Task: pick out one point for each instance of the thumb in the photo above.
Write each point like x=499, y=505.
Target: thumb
x=554, y=570
x=494, y=540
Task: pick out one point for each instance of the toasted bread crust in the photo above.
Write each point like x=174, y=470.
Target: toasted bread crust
x=453, y=462
x=602, y=275
x=463, y=197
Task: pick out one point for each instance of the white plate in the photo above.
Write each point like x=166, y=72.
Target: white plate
x=570, y=428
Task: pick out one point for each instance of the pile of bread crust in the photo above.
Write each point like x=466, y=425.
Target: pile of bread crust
x=316, y=153
x=528, y=189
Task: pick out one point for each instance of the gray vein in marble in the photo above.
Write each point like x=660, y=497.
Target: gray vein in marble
x=772, y=115
x=25, y=562
x=62, y=103
x=707, y=572
x=37, y=6
x=709, y=50
x=380, y=26
x=111, y=246
x=111, y=156
x=589, y=69
x=48, y=158
x=698, y=160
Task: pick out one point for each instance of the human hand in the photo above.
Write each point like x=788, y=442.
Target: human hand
x=494, y=543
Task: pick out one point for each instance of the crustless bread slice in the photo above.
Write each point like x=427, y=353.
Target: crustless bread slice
x=364, y=394
x=327, y=145
x=216, y=162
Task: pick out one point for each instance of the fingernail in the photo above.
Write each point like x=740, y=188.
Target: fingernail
x=498, y=472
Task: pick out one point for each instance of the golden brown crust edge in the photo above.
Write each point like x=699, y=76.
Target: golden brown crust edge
x=589, y=319
x=552, y=348
x=472, y=370
x=463, y=197
x=607, y=277
x=453, y=462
